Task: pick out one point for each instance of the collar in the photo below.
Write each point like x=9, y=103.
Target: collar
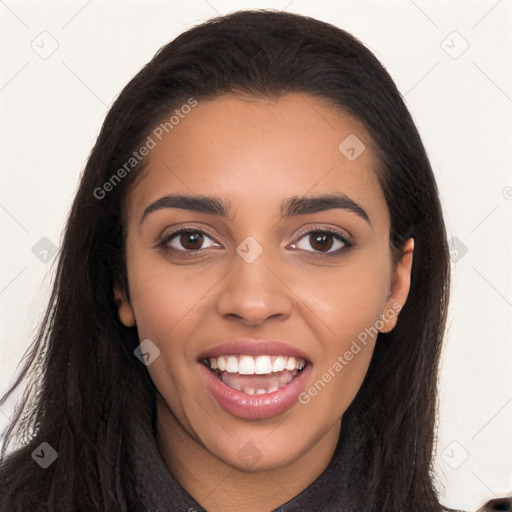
x=333, y=490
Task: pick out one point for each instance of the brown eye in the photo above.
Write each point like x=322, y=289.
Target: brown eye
x=187, y=240
x=191, y=241
x=323, y=242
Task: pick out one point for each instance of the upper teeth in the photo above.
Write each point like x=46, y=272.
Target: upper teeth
x=259, y=365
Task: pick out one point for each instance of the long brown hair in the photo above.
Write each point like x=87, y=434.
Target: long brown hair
x=89, y=397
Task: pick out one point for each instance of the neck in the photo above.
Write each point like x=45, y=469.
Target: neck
x=219, y=487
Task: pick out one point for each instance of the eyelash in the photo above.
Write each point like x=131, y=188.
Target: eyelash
x=347, y=244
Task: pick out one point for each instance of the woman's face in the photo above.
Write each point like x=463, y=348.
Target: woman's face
x=265, y=311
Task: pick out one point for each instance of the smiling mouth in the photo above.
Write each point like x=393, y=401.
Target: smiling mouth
x=255, y=375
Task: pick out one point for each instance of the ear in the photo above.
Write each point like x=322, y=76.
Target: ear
x=124, y=309
x=399, y=288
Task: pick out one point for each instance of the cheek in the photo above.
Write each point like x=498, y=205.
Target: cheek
x=349, y=310
x=168, y=305
x=166, y=298
x=346, y=298
x=344, y=304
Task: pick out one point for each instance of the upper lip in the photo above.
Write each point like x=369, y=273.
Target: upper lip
x=255, y=347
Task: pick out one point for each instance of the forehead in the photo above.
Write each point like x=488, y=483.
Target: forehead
x=255, y=152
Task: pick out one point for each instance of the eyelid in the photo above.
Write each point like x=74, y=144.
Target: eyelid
x=347, y=239
x=164, y=240
x=188, y=227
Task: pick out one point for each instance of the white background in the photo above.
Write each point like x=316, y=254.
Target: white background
x=52, y=109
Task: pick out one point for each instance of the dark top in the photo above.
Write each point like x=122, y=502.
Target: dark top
x=332, y=491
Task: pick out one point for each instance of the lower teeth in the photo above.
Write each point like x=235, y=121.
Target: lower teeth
x=274, y=383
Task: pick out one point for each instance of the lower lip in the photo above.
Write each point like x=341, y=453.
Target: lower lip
x=255, y=407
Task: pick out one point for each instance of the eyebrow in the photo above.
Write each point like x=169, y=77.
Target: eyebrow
x=296, y=205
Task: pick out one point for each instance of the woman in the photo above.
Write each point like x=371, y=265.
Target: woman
x=251, y=292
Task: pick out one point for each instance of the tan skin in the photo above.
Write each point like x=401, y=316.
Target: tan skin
x=255, y=154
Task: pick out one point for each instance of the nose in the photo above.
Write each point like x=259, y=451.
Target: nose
x=255, y=292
